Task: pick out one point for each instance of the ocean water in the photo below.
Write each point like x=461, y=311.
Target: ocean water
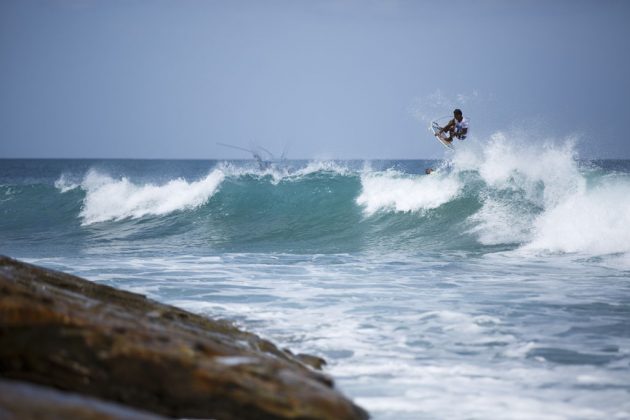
x=496, y=287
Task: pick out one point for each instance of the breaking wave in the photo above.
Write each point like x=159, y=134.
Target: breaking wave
x=116, y=199
x=502, y=195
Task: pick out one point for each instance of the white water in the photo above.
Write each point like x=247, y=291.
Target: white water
x=410, y=337
x=575, y=215
x=398, y=192
x=595, y=222
x=116, y=199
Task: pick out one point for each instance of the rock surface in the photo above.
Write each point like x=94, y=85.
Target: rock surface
x=68, y=333
x=25, y=401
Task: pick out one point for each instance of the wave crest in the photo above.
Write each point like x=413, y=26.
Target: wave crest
x=110, y=199
x=396, y=192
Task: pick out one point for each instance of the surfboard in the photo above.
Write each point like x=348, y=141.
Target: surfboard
x=441, y=137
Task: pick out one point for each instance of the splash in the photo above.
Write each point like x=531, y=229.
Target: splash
x=279, y=172
x=65, y=183
x=538, y=196
x=116, y=199
x=393, y=191
x=512, y=163
x=595, y=222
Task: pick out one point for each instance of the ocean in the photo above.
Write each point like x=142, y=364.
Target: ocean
x=497, y=287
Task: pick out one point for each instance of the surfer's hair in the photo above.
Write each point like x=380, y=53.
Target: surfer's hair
x=457, y=111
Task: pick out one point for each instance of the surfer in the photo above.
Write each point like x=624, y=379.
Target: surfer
x=457, y=127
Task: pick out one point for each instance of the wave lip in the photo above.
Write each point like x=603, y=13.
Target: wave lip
x=110, y=199
x=391, y=191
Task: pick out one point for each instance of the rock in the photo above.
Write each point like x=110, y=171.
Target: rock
x=312, y=361
x=68, y=333
x=24, y=401
x=308, y=359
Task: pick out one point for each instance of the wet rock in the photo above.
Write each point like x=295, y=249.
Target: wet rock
x=25, y=401
x=64, y=332
x=312, y=361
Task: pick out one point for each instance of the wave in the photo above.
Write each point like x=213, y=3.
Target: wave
x=543, y=199
x=110, y=199
x=537, y=197
x=504, y=194
x=398, y=192
x=594, y=221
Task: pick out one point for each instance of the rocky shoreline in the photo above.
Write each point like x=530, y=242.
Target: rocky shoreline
x=72, y=344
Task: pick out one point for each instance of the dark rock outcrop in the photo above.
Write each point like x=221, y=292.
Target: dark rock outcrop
x=68, y=333
x=26, y=401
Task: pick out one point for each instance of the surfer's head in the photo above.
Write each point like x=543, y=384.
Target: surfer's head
x=457, y=113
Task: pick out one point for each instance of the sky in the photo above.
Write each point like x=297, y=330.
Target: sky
x=318, y=79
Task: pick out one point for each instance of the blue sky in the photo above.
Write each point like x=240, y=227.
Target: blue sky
x=328, y=78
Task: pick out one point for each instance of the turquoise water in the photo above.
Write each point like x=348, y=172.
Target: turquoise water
x=496, y=287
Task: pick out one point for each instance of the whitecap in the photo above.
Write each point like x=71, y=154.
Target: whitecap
x=393, y=191
x=116, y=199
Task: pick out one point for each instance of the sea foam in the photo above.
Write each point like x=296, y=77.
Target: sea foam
x=393, y=191
x=538, y=195
x=595, y=222
x=115, y=199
